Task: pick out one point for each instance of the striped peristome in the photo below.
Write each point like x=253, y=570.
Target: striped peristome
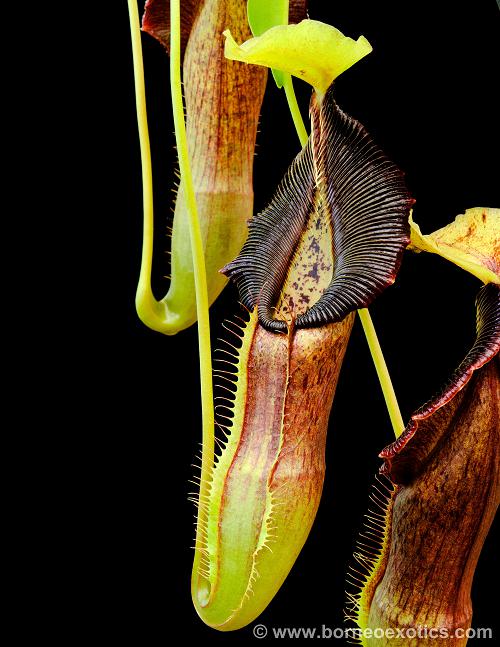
x=343, y=176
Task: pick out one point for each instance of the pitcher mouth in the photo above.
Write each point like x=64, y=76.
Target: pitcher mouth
x=342, y=209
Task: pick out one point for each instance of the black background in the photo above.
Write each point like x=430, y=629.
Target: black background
x=427, y=96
